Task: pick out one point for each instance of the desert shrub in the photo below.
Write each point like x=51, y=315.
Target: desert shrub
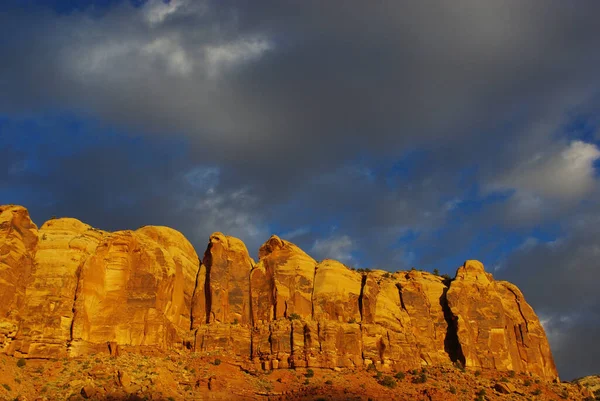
x=310, y=373
x=504, y=380
x=371, y=367
x=21, y=363
x=480, y=395
x=452, y=389
x=352, y=320
x=388, y=381
x=6, y=386
x=379, y=375
x=294, y=316
x=537, y=391
x=477, y=373
x=387, y=275
x=511, y=374
x=421, y=378
x=436, y=272
x=217, y=362
x=527, y=383
x=329, y=382
x=400, y=375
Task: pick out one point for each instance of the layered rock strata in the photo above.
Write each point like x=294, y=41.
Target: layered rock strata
x=68, y=289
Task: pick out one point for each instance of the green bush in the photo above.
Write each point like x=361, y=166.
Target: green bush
x=452, y=389
x=527, y=383
x=477, y=373
x=537, y=391
x=511, y=374
x=480, y=395
x=371, y=367
x=217, y=362
x=352, y=320
x=21, y=363
x=329, y=382
x=388, y=381
x=294, y=316
x=400, y=375
x=421, y=378
x=310, y=373
x=7, y=387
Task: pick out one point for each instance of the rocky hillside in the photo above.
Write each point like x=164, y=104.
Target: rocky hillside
x=69, y=290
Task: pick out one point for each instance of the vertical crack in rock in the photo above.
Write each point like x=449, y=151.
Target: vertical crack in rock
x=312, y=295
x=250, y=310
x=207, y=291
x=71, y=328
x=194, y=297
x=319, y=336
x=519, y=307
x=399, y=286
x=363, y=282
x=451, y=342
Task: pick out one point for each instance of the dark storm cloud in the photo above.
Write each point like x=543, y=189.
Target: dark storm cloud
x=278, y=93
x=560, y=280
x=277, y=115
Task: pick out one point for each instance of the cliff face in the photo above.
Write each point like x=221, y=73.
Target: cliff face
x=68, y=289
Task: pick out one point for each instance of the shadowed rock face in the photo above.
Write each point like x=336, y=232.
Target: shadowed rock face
x=68, y=289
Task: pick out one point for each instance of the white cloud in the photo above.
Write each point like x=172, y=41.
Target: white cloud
x=335, y=247
x=565, y=174
x=230, y=54
x=174, y=56
x=156, y=11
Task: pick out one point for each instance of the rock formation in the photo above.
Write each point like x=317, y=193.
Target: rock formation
x=69, y=289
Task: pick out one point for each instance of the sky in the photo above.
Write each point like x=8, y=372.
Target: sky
x=386, y=135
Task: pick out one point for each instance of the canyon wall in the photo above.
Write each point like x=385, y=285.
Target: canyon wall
x=68, y=289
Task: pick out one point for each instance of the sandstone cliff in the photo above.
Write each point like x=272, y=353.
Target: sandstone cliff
x=69, y=289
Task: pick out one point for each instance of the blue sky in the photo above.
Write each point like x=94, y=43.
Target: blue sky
x=419, y=135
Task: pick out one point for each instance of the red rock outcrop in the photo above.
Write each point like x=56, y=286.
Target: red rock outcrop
x=496, y=328
x=47, y=315
x=68, y=289
x=18, y=242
